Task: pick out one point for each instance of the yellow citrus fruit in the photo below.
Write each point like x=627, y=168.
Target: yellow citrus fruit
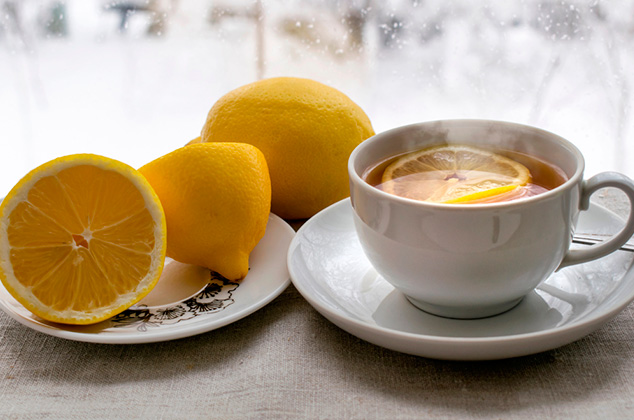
x=217, y=200
x=82, y=238
x=193, y=141
x=453, y=174
x=306, y=131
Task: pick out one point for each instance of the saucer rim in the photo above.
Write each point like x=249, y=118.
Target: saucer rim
x=565, y=334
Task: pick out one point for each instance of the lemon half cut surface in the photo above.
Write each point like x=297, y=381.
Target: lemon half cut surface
x=82, y=238
x=453, y=174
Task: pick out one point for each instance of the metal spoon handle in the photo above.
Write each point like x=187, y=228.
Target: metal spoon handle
x=596, y=238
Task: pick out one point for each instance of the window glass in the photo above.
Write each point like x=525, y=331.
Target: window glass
x=133, y=80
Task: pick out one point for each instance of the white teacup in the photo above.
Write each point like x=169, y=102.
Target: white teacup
x=475, y=260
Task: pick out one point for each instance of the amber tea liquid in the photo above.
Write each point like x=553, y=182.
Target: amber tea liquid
x=545, y=176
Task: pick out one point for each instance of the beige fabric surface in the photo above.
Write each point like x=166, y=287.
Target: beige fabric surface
x=287, y=361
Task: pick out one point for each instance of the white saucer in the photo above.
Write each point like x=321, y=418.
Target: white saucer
x=329, y=268
x=187, y=300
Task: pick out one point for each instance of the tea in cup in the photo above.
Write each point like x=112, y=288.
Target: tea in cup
x=466, y=217
x=464, y=174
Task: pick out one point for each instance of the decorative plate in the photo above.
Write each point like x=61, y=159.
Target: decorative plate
x=187, y=300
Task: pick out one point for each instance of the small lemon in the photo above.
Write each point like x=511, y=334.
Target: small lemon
x=217, y=200
x=306, y=131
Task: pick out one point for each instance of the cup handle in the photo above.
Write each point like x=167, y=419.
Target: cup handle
x=603, y=180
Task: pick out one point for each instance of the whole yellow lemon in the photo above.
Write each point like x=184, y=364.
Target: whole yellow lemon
x=217, y=199
x=306, y=131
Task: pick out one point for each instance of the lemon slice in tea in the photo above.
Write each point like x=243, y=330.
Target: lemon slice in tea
x=82, y=238
x=453, y=174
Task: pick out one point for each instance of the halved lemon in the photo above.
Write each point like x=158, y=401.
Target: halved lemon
x=82, y=238
x=453, y=174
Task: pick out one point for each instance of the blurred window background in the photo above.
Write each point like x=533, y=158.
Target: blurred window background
x=133, y=80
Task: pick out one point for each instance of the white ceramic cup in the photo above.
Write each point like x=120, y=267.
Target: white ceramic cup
x=475, y=260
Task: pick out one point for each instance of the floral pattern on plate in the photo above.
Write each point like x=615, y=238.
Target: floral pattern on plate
x=215, y=297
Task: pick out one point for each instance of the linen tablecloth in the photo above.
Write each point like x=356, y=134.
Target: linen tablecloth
x=287, y=361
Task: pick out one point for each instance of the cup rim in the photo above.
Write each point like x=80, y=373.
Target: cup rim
x=569, y=183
